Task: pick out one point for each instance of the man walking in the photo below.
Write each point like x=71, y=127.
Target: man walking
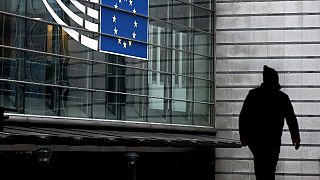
x=261, y=123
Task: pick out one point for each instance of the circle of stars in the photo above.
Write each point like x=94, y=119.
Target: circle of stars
x=135, y=25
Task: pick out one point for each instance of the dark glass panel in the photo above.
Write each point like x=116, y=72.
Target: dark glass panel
x=75, y=103
x=160, y=9
x=116, y=106
x=78, y=73
x=203, y=44
x=99, y=105
x=158, y=110
x=202, y=19
x=203, y=67
x=182, y=14
x=100, y=76
x=181, y=112
x=136, y=81
x=201, y=113
x=181, y=88
x=41, y=100
x=204, y=3
x=160, y=34
x=8, y=95
x=7, y=64
x=14, y=6
x=202, y=90
x=136, y=108
x=182, y=39
x=119, y=107
x=34, y=67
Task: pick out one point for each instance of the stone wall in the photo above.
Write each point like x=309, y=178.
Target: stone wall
x=284, y=35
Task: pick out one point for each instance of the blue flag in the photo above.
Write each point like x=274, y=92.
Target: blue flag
x=125, y=23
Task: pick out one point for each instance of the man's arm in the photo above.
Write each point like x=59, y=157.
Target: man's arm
x=292, y=124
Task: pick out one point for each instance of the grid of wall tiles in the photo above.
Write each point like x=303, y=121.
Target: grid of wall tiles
x=284, y=35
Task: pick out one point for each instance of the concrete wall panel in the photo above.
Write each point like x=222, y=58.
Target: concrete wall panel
x=286, y=36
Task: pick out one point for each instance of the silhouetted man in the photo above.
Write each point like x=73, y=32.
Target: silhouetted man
x=261, y=123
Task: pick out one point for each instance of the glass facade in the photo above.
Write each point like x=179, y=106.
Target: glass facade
x=43, y=71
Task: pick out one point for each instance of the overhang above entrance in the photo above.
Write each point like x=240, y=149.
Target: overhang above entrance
x=145, y=141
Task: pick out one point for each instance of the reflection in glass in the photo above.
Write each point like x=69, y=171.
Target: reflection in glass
x=160, y=9
x=181, y=112
x=181, y=87
x=202, y=19
x=119, y=106
x=75, y=103
x=202, y=90
x=157, y=82
x=7, y=64
x=204, y=3
x=136, y=108
x=203, y=44
x=159, y=33
x=107, y=91
x=181, y=39
x=99, y=105
x=79, y=73
x=182, y=14
x=201, y=114
x=116, y=106
x=158, y=110
x=203, y=67
x=41, y=100
x=100, y=76
x=136, y=81
x=7, y=95
x=116, y=83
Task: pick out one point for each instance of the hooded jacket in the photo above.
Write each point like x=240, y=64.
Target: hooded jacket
x=264, y=110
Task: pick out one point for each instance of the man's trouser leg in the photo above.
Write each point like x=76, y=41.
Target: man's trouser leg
x=265, y=161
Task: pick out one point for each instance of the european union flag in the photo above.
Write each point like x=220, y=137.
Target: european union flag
x=126, y=24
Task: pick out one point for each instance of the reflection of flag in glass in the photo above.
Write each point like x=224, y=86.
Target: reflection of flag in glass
x=128, y=30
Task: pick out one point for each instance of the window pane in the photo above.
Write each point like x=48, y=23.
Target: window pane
x=137, y=81
x=100, y=76
x=203, y=44
x=8, y=64
x=182, y=39
x=159, y=33
x=12, y=6
x=157, y=81
x=204, y=3
x=158, y=110
x=75, y=103
x=203, y=67
x=41, y=100
x=42, y=69
x=202, y=90
x=201, y=114
x=116, y=106
x=136, y=108
x=181, y=112
x=182, y=14
x=202, y=19
x=78, y=73
x=160, y=9
x=181, y=86
x=8, y=96
x=99, y=105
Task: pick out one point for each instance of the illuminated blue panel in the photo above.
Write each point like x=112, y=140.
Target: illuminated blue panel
x=124, y=24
